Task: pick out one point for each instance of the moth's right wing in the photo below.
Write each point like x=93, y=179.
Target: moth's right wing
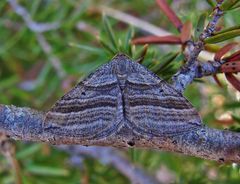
x=153, y=107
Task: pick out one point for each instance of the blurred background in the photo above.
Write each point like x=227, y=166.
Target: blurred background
x=48, y=46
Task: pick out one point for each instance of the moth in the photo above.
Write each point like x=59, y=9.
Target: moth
x=121, y=100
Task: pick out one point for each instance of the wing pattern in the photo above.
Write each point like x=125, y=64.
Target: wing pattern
x=121, y=93
x=90, y=110
x=153, y=107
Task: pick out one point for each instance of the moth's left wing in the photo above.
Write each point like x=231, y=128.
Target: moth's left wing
x=88, y=111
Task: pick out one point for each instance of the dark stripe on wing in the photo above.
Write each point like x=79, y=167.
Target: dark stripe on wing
x=82, y=107
x=165, y=103
x=85, y=101
x=105, y=87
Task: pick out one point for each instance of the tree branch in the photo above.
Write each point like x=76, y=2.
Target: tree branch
x=27, y=124
x=193, y=68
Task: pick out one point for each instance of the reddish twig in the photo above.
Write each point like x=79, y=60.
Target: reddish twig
x=170, y=14
x=233, y=80
x=171, y=39
x=219, y=54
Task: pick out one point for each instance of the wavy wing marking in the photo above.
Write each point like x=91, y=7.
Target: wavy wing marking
x=90, y=110
x=155, y=108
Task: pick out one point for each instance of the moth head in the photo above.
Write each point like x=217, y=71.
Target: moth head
x=121, y=65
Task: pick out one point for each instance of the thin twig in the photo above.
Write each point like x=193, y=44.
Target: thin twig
x=193, y=69
x=211, y=27
x=56, y=63
x=34, y=26
x=83, y=26
x=7, y=148
x=134, y=21
x=110, y=156
x=38, y=29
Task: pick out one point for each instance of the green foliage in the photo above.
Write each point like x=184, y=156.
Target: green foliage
x=164, y=66
x=84, y=41
x=200, y=25
x=220, y=37
x=230, y=4
x=211, y=3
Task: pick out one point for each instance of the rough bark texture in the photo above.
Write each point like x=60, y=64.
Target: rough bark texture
x=193, y=68
x=220, y=145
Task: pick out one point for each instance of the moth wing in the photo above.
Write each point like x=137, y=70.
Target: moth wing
x=153, y=107
x=89, y=110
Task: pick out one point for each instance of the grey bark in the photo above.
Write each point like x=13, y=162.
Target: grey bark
x=26, y=124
